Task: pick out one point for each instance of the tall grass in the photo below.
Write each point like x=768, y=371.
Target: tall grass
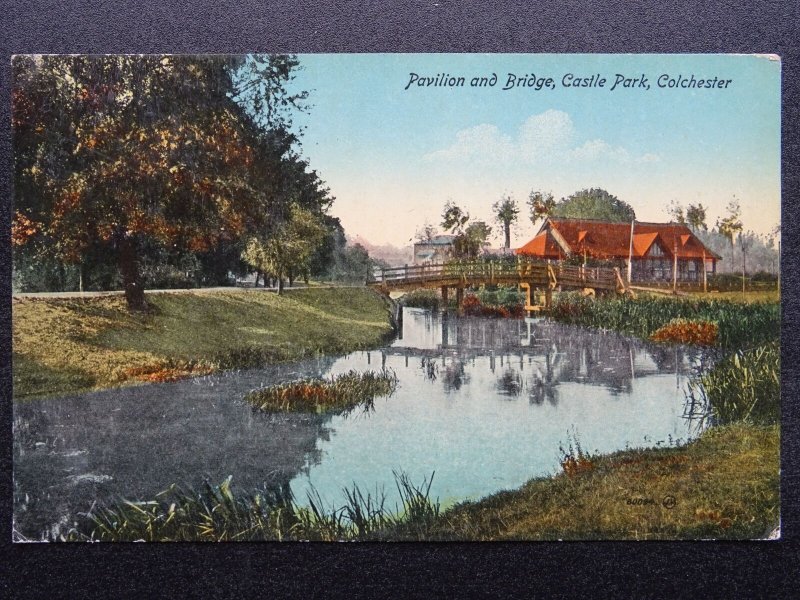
x=739, y=325
x=216, y=513
x=337, y=394
x=744, y=386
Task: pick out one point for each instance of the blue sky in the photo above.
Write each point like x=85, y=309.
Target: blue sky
x=394, y=156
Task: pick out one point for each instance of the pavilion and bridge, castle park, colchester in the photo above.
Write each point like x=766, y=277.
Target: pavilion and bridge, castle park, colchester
x=634, y=256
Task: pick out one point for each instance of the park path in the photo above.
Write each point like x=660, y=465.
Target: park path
x=208, y=290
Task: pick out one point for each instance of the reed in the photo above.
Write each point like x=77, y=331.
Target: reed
x=739, y=325
x=340, y=393
x=744, y=386
x=216, y=513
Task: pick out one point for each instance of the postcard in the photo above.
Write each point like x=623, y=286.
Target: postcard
x=396, y=297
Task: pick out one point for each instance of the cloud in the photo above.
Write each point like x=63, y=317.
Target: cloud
x=477, y=142
x=542, y=134
x=543, y=137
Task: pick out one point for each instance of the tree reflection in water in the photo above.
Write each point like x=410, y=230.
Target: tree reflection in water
x=454, y=375
x=430, y=368
x=557, y=354
x=510, y=382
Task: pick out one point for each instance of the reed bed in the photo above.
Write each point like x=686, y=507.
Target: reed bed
x=743, y=387
x=739, y=325
x=217, y=514
x=338, y=394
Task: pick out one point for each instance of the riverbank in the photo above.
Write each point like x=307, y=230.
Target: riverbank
x=724, y=485
x=63, y=346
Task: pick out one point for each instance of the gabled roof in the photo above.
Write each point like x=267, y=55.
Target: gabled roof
x=543, y=245
x=642, y=242
x=603, y=239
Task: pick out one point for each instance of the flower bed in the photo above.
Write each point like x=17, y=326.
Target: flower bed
x=685, y=331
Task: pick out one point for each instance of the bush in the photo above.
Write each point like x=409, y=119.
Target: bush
x=421, y=299
x=473, y=307
x=764, y=277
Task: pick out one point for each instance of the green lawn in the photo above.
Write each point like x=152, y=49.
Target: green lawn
x=66, y=345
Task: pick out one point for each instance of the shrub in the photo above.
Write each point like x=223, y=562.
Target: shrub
x=421, y=299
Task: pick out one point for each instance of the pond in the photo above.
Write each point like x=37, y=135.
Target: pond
x=485, y=404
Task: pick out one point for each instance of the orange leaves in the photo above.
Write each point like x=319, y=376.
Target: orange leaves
x=684, y=331
x=22, y=229
x=164, y=372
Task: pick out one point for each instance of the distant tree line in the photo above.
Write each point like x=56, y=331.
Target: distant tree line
x=744, y=252
x=164, y=171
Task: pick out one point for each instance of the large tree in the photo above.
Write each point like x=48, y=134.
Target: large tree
x=594, y=203
x=506, y=211
x=114, y=151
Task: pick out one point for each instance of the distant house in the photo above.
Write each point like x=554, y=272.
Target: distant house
x=652, y=253
x=435, y=250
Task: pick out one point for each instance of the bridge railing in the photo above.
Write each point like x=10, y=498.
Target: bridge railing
x=482, y=271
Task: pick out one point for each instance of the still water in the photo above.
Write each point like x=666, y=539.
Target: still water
x=485, y=404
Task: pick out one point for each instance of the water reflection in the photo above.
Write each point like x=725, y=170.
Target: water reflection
x=137, y=441
x=483, y=403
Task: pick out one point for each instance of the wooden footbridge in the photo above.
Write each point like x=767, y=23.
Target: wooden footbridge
x=529, y=274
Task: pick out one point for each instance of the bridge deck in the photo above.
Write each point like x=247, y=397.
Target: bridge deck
x=537, y=274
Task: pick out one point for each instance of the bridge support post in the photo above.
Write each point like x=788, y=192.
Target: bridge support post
x=548, y=298
x=460, y=300
x=444, y=298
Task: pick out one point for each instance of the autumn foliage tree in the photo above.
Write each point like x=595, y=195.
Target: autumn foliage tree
x=116, y=150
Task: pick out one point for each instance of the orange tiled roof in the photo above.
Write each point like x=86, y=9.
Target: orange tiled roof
x=543, y=245
x=602, y=239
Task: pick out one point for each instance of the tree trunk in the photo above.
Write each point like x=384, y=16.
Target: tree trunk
x=508, y=235
x=280, y=285
x=258, y=275
x=129, y=268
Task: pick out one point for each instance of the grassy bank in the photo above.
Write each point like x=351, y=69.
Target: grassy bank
x=69, y=345
x=725, y=485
